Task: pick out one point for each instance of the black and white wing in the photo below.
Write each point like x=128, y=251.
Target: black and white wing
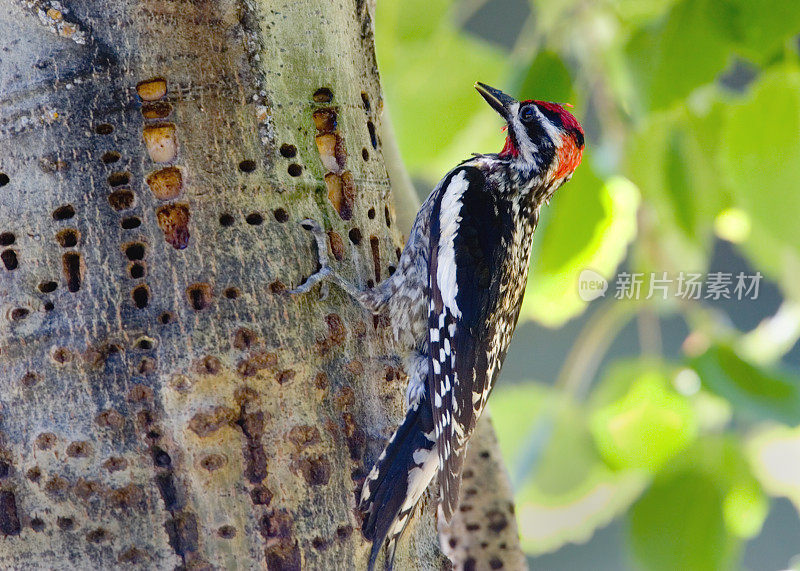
x=470, y=233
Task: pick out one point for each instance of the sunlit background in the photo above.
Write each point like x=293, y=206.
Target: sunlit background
x=655, y=433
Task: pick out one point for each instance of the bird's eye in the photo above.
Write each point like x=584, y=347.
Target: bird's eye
x=527, y=113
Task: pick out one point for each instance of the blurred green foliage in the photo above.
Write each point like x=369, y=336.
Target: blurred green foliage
x=692, y=112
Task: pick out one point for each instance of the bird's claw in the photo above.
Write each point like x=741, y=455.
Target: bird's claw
x=322, y=250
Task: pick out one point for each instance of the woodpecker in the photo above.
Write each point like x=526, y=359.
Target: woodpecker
x=454, y=301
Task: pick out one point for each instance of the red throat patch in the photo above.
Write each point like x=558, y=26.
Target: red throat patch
x=569, y=156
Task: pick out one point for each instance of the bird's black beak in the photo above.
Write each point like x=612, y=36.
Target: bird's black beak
x=497, y=99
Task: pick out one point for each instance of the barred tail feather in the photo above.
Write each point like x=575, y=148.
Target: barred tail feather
x=398, y=480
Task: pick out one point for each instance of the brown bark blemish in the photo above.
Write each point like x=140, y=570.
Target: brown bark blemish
x=65, y=523
x=140, y=394
x=321, y=381
x=316, y=469
x=98, y=535
x=115, y=464
x=345, y=398
x=337, y=245
x=61, y=355
x=260, y=496
x=173, y=219
x=110, y=418
x=336, y=330
x=355, y=436
x=211, y=462
x=30, y=379
x=255, y=363
x=207, y=422
x=79, y=449
x=285, y=376
x=166, y=184
x=73, y=270
x=133, y=556
x=282, y=550
x=244, y=338
x=46, y=440
x=199, y=296
x=226, y=532
x=303, y=436
x=127, y=497
x=9, y=519
x=122, y=199
x=208, y=365
x=374, y=244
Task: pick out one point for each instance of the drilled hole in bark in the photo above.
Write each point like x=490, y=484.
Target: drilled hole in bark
x=254, y=219
x=199, y=296
x=355, y=236
x=364, y=153
x=141, y=296
x=119, y=178
x=137, y=270
x=365, y=101
x=71, y=262
x=130, y=223
x=64, y=212
x=37, y=524
x=134, y=251
x=110, y=157
x=48, y=306
x=370, y=284
x=247, y=165
x=323, y=95
x=226, y=220
x=371, y=213
x=294, y=169
x=288, y=151
x=226, y=532
x=18, y=314
x=121, y=199
x=4, y=180
x=232, y=293
x=68, y=237
x=29, y=379
x=388, y=216
x=65, y=523
x=9, y=258
x=152, y=89
x=145, y=343
x=166, y=318
x=104, y=129
x=373, y=137
x=391, y=270
x=7, y=239
x=281, y=215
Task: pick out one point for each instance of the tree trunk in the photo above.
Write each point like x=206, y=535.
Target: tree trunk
x=164, y=402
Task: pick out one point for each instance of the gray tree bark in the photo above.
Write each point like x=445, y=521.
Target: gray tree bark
x=163, y=402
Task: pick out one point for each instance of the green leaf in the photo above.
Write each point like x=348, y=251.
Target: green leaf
x=592, y=224
x=679, y=524
x=754, y=392
x=761, y=154
x=687, y=50
x=428, y=68
x=546, y=78
x=569, y=491
x=647, y=426
x=765, y=25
